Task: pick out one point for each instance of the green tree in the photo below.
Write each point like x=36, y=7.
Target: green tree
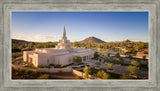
x=89, y=45
x=117, y=55
x=31, y=44
x=121, y=52
x=132, y=69
x=77, y=59
x=39, y=46
x=130, y=57
x=124, y=76
x=75, y=44
x=100, y=73
x=86, y=71
x=96, y=55
x=94, y=71
x=108, y=54
x=141, y=46
x=135, y=63
x=144, y=58
x=40, y=66
x=106, y=76
x=60, y=70
x=110, y=66
x=131, y=50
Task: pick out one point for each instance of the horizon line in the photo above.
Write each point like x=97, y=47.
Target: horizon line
x=82, y=40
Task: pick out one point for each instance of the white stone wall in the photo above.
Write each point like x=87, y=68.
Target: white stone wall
x=64, y=60
x=35, y=59
x=42, y=59
x=25, y=58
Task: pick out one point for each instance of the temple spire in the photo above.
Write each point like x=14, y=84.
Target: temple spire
x=64, y=43
x=64, y=32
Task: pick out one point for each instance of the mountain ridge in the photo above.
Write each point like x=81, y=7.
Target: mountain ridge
x=92, y=39
x=25, y=41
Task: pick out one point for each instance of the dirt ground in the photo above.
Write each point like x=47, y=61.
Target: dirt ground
x=64, y=75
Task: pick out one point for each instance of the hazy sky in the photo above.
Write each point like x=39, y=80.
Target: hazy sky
x=108, y=26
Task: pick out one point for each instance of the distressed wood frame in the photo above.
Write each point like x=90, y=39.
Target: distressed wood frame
x=7, y=6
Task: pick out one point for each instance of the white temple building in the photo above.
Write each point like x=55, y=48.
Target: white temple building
x=62, y=55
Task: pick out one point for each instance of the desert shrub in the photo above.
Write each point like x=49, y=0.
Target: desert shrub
x=40, y=66
x=45, y=76
x=57, y=66
x=124, y=76
x=29, y=72
x=93, y=71
x=51, y=64
x=29, y=65
x=98, y=63
x=61, y=70
x=48, y=66
x=21, y=71
x=105, y=76
x=38, y=72
x=110, y=66
x=132, y=69
x=77, y=60
x=130, y=57
x=102, y=74
x=108, y=54
x=96, y=55
x=86, y=71
x=118, y=55
x=135, y=63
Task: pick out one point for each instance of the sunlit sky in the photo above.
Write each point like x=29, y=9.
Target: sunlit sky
x=108, y=26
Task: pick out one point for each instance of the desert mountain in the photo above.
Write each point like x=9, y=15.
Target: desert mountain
x=24, y=41
x=126, y=40
x=17, y=41
x=92, y=40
